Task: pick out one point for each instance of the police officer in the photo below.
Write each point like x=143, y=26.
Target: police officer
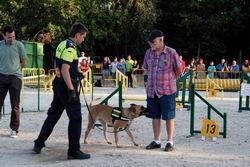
x=66, y=95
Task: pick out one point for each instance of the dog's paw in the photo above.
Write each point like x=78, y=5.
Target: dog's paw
x=136, y=144
x=107, y=142
x=118, y=146
x=86, y=142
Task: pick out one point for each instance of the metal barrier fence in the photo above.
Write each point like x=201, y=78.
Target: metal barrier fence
x=212, y=87
x=216, y=74
x=36, y=77
x=138, y=78
x=120, y=77
x=228, y=80
x=97, y=69
x=33, y=77
x=224, y=80
x=183, y=83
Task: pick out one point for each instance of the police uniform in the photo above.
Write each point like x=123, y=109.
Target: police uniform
x=66, y=52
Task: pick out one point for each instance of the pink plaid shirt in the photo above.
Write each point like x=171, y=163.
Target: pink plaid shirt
x=161, y=71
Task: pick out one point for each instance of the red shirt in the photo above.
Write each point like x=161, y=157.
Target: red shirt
x=182, y=65
x=84, y=66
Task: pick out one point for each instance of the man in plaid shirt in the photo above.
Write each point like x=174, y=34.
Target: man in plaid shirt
x=163, y=68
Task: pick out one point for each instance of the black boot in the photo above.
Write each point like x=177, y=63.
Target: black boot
x=37, y=147
x=78, y=155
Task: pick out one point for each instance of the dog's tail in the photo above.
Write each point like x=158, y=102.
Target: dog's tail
x=92, y=103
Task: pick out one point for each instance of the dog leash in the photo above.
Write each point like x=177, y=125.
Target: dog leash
x=91, y=117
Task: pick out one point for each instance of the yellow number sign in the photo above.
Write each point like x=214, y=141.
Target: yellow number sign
x=209, y=128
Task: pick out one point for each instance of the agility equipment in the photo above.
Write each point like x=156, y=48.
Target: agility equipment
x=244, y=92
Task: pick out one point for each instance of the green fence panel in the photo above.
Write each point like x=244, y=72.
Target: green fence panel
x=34, y=53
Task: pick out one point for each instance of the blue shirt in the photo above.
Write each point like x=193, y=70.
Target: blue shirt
x=211, y=70
x=235, y=68
x=219, y=67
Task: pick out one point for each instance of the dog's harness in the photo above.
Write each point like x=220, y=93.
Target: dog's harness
x=117, y=115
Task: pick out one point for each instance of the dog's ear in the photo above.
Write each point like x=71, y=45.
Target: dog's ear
x=144, y=111
x=132, y=108
x=132, y=105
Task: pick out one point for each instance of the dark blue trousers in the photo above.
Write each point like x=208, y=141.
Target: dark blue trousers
x=58, y=105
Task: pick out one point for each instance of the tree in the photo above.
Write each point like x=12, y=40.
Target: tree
x=116, y=27
x=206, y=28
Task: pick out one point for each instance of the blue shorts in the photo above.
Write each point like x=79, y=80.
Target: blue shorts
x=163, y=107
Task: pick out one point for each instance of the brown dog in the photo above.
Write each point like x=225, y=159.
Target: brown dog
x=104, y=114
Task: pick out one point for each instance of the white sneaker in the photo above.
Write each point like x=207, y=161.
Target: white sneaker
x=13, y=134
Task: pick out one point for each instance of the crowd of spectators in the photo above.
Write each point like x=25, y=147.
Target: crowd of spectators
x=127, y=66
x=130, y=67
x=223, y=70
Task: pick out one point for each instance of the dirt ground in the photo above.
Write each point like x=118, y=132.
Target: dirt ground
x=189, y=151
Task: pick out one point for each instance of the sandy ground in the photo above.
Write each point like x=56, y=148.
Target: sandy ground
x=189, y=151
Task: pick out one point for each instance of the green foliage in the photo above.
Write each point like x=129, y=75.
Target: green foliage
x=119, y=27
x=213, y=27
x=110, y=22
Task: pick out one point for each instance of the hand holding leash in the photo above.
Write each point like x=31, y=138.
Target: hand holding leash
x=72, y=96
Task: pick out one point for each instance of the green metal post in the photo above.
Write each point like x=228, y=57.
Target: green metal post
x=35, y=56
x=209, y=112
x=119, y=90
x=190, y=83
x=184, y=90
x=39, y=89
x=177, y=89
x=247, y=98
x=225, y=126
x=192, y=110
x=240, y=103
x=240, y=99
x=120, y=94
x=247, y=102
